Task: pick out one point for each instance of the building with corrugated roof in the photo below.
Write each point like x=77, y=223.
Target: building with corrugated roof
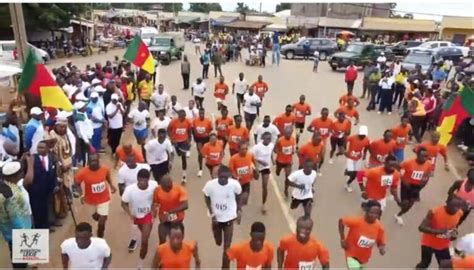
x=457, y=29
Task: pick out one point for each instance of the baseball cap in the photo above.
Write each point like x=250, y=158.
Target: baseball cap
x=11, y=167
x=363, y=130
x=36, y=111
x=94, y=95
x=114, y=97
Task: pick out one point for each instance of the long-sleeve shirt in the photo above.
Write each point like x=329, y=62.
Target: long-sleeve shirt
x=84, y=127
x=34, y=132
x=386, y=83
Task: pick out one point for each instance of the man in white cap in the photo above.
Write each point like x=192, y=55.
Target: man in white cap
x=114, y=111
x=15, y=211
x=84, y=130
x=97, y=115
x=465, y=249
x=34, y=130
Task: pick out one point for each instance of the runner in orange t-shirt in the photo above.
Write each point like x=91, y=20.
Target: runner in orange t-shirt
x=301, y=109
x=415, y=176
x=180, y=130
x=176, y=253
x=284, y=150
x=202, y=127
x=260, y=88
x=364, y=233
x=434, y=149
x=350, y=111
x=285, y=120
x=458, y=263
x=437, y=230
x=378, y=180
x=343, y=100
x=380, y=149
x=242, y=167
x=356, y=151
x=170, y=201
x=314, y=151
x=340, y=130
x=237, y=133
x=220, y=92
x=213, y=152
x=254, y=254
x=322, y=124
x=400, y=135
x=97, y=182
x=300, y=250
x=222, y=125
x=125, y=150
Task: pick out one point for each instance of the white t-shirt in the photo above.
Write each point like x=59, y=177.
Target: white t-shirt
x=158, y=124
x=223, y=203
x=263, y=153
x=240, y=86
x=298, y=177
x=156, y=152
x=128, y=176
x=174, y=109
x=91, y=257
x=271, y=128
x=98, y=114
x=139, y=118
x=160, y=100
x=139, y=200
x=249, y=103
x=191, y=113
x=117, y=120
x=199, y=89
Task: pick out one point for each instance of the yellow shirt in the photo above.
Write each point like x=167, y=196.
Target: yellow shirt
x=146, y=88
x=130, y=93
x=420, y=108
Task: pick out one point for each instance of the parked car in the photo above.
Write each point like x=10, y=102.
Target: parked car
x=167, y=45
x=451, y=53
x=324, y=46
x=360, y=53
x=426, y=59
x=433, y=45
x=400, y=48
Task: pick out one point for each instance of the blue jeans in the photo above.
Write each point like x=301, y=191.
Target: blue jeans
x=96, y=138
x=399, y=154
x=276, y=54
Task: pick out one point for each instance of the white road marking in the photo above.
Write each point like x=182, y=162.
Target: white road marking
x=284, y=208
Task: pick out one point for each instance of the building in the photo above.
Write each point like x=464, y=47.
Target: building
x=399, y=28
x=341, y=10
x=457, y=29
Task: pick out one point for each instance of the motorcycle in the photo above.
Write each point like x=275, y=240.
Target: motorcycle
x=79, y=51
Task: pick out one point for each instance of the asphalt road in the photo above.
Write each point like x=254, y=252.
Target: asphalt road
x=287, y=82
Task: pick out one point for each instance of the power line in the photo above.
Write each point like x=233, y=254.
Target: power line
x=394, y=10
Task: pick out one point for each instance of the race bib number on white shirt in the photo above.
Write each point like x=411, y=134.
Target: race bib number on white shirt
x=243, y=170
x=381, y=158
x=365, y=242
x=172, y=217
x=143, y=210
x=180, y=131
x=306, y=265
x=417, y=175
x=98, y=188
x=200, y=130
x=324, y=131
x=214, y=156
x=400, y=140
x=288, y=150
x=235, y=139
x=221, y=206
x=386, y=180
x=355, y=154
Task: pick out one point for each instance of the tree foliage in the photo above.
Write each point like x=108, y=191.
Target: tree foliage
x=204, y=7
x=48, y=16
x=282, y=6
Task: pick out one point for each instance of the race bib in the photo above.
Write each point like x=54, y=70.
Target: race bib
x=287, y=150
x=214, y=156
x=381, y=158
x=400, y=140
x=324, y=131
x=306, y=265
x=365, y=242
x=200, y=130
x=235, y=139
x=143, y=210
x=172, y=217
x=355, y=154
x=220, y=91
x=180, y=131
x=299, y=114
x=243, y=170
x=98, y=188
x=287, y=125
x=417, y=175
x=222, y=127
x=253, y=268
x=221, y=206
x=386, y=180
x=340, y=135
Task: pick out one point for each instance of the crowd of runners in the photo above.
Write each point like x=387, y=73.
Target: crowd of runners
x=65, y=146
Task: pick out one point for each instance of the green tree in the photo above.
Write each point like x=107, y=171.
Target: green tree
x=172, y=7
x=242, y=8
x=282, y=6
x=204, y=7
x=52, y=16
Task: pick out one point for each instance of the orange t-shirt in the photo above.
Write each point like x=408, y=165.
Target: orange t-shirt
x=172, y=260
x=222, y=126
x=378, y=181
x=221, y=90
x=361, y=237
x=284, y=121
x=96, y=188
x=350, y=113
x=440, y=220
x=355, y=148
x=122, y=156
x=298, y=254
x=414, y=173
x=311, y=152
x=248, y=259
x=343, y=100
x=301, y=110
x=179, y=130
x=322, y=126
x=284, y=149
x=236, y=135
x=201, y=128
x=465, y=263
x=379, y=150
x=400, y=134
x=433, y=150
x=242, y=167
x=213, y=153
x=339, y=129
x=170, y=200
x=260, y=88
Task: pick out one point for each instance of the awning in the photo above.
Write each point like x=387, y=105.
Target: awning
x=246, y=24
x=302, y=21
x=186, y=19
x=223, y=20
x=339, y=23
x=398, y=25
x=276, y=27
x=84, y=23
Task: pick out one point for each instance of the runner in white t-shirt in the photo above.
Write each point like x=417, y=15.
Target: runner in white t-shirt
x=197, y=91
x=222, y=197
x=137, y=201
x=139, y=118
x=84, y=251
x=266, y=126
x=302, y=182
x=159, y=154
x=240, y=87
x=251, y=103
x=160, y=99
x=160, y=122
x=174, y=107
x=263, y=155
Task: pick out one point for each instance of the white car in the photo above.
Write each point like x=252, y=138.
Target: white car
x=431, y=45
x=8, y=46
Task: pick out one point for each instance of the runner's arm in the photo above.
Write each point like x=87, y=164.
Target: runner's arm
x=456, y=186
x=280, y=258
x=106, y=262
x=181, y=207
x=65, y=261
x=113, y=189
x=121, y=187
x=208, y=204
x=360, y=180
x=341, y=228
x=126, y=208
x=197, y=260
x=425, y=226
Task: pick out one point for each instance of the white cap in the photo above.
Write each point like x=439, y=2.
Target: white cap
x=99, y=88
x=10, y=168
x=363, y=130
x=36, y=111
x=114, y=97
x=466, y=244
x=94, y=95
x=79, y=105
x=62, y=115
x=96, y=81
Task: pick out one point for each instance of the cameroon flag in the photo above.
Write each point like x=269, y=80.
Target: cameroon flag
x=456, y=109
x=36, y=79
x=137, y=53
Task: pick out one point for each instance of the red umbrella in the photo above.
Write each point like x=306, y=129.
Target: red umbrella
x=345, y=34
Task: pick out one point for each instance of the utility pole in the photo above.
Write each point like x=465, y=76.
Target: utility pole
x=260, y=7
x=19, y=32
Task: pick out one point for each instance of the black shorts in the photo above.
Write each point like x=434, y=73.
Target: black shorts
x=246, y=187
x=295, y=202
x=240, y=97
x=168, y=224
x=300, y=126
x=210, y=167
x=265, y=172
x=158, y=170
x=198, y=99
x=182, y=147
x=409, y=192
x=250, y=117
x=280, y=166
x=223, y=225
x=202, y=140
x=337, y=142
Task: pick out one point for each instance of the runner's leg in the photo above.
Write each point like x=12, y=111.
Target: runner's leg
x=162, y=232
x=264, y=191
x=228, y=233
x=145, y=230
x=101, y=226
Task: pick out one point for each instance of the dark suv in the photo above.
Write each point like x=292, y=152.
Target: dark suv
x=400, y=48
x=360, y=53
x=324, y=46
